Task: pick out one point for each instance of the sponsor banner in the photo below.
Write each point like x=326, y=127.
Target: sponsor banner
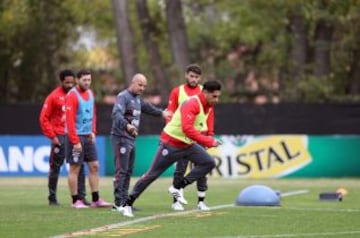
x=270, y=156
x=333, y=156
x=244, y=156
x=260, y=156
x=29, y=156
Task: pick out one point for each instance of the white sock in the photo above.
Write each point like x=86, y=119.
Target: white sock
x=201, y=194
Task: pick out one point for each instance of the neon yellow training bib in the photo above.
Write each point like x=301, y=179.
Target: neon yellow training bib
x=173, y=128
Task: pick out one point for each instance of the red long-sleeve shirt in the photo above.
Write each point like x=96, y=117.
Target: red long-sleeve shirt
x=72, y=104
x=173, y=104
x=189, y=111
x=52, y=115
x=174, y=96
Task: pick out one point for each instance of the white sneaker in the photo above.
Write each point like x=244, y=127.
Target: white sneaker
x=177, y=195
x=202, y=206
x=127, y=211
x=117, y=208
x=177, y=206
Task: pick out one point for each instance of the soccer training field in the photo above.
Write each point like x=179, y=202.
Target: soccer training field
x=25, y=212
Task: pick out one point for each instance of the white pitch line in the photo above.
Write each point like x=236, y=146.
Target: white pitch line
x=149, y=218
x=348, y=210
x=294, y=193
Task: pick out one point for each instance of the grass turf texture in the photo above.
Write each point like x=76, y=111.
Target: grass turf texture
x=25, y=211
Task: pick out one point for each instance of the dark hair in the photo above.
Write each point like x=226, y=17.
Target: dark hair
x=83, y=72
x=193, y=68
x=212, y=85
x=65, y=73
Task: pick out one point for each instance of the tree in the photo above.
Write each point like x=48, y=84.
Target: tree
x=354, y=74
x=34, y=32
x=299, y=43
x=149, y=32
x=125, y=39
x=177, y=34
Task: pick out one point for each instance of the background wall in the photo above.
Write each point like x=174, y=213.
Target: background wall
x=311, y=119
x=287, y=140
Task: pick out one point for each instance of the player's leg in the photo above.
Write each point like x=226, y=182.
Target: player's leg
x=57, y=156
x=201, y=192
x=129, y=173
x=75, y=161
x=82, y=185
x=204, y=163
x=90, y=157
x=121, y=163
x=164, y=158
x=179, y=173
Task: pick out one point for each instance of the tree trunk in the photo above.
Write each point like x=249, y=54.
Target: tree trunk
x=355, y=73
x=323, y=37
x=4, y=71
x=149, y=32
x=299, y=46
x=125, y=41
x=177, y=34
x=354, y=51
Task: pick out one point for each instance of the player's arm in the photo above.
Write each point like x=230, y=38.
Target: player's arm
x=150, y=109
x=189, y=110
x=118, y=116
x=210, y=123
x=118, y=112
x=44, y=119
x=71, y=109
x=173, y=102
x=93, y=121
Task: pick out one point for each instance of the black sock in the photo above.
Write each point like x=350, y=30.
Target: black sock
x=75, y=198
x=95, y=196
x=201, y=199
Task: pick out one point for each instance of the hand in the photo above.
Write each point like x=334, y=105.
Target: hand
x=132, y=130
x=55, y=141
x=217, y=143
x=77, y=147
x=167, y=114
x=92, y=137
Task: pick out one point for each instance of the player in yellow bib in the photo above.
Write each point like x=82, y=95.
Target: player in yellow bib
x=177, y=96
x=182, y=138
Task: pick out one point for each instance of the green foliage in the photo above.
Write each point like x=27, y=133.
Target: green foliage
x=230, y=39
x=314, y=89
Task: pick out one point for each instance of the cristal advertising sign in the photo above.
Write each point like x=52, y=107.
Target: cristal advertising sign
x=244, y=156
x=269, y=156
x=260, y=157
x=29, y=156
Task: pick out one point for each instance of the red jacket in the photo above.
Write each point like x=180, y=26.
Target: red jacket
x=72, y=105
x=174, y=96
x=189, y=111
x=52, y=115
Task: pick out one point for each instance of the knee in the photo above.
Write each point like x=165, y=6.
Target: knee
x=93, y=167
x=211, y=163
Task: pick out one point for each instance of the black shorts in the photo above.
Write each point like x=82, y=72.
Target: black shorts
x=88, y=153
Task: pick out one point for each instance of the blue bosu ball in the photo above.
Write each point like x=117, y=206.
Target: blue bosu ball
x=258, y=195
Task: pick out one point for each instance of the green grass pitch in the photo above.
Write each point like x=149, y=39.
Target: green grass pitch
x=25, y=212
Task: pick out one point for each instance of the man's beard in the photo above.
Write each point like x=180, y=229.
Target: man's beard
x=66, y=89
x=192, y=85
